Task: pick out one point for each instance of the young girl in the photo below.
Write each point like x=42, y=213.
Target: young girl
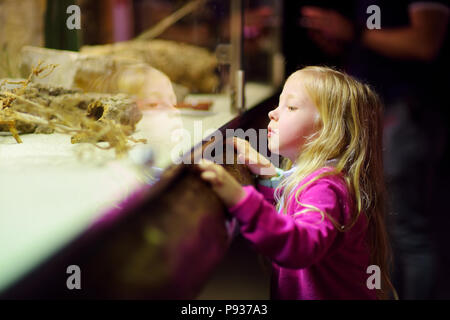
x=328, y=224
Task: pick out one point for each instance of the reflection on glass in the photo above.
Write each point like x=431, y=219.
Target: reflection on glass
x=90, y=105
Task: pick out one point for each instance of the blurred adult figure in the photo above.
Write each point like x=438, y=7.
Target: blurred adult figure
x=405, y=61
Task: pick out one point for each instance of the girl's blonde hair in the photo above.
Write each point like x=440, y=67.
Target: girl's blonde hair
x=350, y=132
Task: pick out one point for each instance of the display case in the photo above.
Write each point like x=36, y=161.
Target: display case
x=96, y=133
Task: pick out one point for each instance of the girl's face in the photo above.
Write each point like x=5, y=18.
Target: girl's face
x=293, y=120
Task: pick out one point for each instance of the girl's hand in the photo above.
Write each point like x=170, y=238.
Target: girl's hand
x=226, y=187
x=256, y=162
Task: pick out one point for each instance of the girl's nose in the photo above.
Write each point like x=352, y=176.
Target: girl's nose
x=272, y=115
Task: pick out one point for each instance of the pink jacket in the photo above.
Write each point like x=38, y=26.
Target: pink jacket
x=311, y=259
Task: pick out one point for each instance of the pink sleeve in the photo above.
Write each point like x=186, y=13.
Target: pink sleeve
x=291, y=242
x=267, y=193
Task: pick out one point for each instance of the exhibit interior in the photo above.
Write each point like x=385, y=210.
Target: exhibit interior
x=105, y=106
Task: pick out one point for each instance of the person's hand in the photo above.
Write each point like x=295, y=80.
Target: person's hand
x=256, y=162
x=223, y=184
x=257, y=21
x=328, y=45
x=327, y=24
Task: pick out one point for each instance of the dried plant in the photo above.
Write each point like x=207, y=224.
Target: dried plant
x=90, y=126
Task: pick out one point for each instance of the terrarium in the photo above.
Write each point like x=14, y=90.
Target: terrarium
x=97, y=98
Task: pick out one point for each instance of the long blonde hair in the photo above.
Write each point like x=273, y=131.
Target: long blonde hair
x=350, y=132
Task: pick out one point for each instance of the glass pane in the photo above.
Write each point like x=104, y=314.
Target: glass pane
x=105, y=94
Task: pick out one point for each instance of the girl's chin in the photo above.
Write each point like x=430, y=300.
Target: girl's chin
x=273, y=149
x=276, y=150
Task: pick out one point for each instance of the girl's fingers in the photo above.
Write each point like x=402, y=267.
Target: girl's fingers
x=210, y=171
x=231, y=141
x=212, y=178
x=209, y=176
x=235, y=142
x=240, y=145
x=206, y=164
x=246, y=154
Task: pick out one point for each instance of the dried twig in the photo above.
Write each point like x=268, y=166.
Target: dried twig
x=170, y=20
x=64, y=120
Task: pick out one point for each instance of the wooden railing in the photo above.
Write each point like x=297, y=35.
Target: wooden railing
x=162, y=242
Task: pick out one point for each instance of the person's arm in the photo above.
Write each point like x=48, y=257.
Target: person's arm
x=291, y=242
x=421, y=40
x=296, y=241
x=255, y=162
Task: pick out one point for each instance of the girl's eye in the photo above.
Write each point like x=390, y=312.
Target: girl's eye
x=291, y=108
